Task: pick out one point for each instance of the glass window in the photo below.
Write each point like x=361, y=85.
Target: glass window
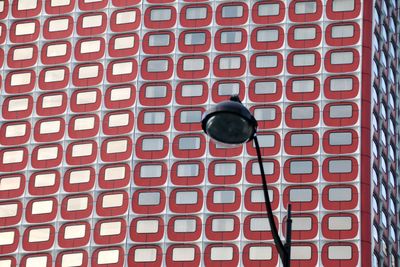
x=108, y=256
x=259, y=224
x=301, y=223
x=302, y=113
x=340, y=139
x=340, y=166
x=221, y=253
x=185, y=225
x=262, y=114
x=268, y=9
x=160, y=14
x=147, y=226
x=74, y=231
x=231, y=37
x=340, y=223
x=151, y=170
x=192, y=90
x=155, y=91
x=301, y=167
x=183, y=254
x=189, y=143
x=267, y=165
x=342, y=5
x=113, y=200
x=72, y=259
x=266, y=140
x=196, y=13
x=341, y=111
x=126, y=17
x=342, y=31
x=114, y=173
x=301, y=252
x=228, y=88
x=187, y=197
x=305, y=33
x=225, y=169
x=341, y=84
x=340, y=252
x=110, y=228
x=303, y=86
x=7, y=238
x=10, y=183
x=9, y=210
x=340, y=194
x=149, y=198
x=193, y=64
x=301, y=140
x=266, y=61
x=124, y=42
x=227, y=63
x=257, y=196
x=300, y=195
x=305, y=7
x=152, y=144
x=224, y=196
x=232, y=11
x=342, y=58
x=16, y=130
x=265, y=88
x=304, y=60
x=157, y=65
x=188, y=170
x=190, y=116
x=260, y=253
x=44, y=180
x=154, y=117
x=120, y=68
x=39, y=235
x=270, y=35
x=222, y=225
x=195, y=38
x=77, y=203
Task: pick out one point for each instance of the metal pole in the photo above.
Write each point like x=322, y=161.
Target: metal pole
x=283, y=250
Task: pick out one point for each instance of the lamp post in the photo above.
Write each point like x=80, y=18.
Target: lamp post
x=232, y=123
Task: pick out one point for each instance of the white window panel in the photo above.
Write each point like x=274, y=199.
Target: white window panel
x=159, y=39
x=110, y=228
x=145, y=255
x=267, y=165
x=86, y=72
x=300, y=195
x=57, y=25
x=161, y=14
x=108, y=256
x=154, y=117
x=158, y=65
x=149, y=198
x=302, y=113
x=257, y=196
x=300, y=252
x=266, y=140
x=45, y=179
x=224, y=169
x=54, y=75
x=340, y=223
x=52, y=101
x=340, y=252
x=185, y=226
x=92, y=21
x=42, y=207
x=117, y=146
x=301, y=167
x=56, y=50
x=340, y=194
x=266, y=61
x=15, y=130
x=10, y=183
x=342, y=111
x=259, y=224
x=224, y=196
x=148, y=171
x=152, y=144
x=124, y=42
x=228, y=88
x=8, y=210
x=305, y=33
x=25, y=28
x=86, y=97
x=302, y=223
x=268, y=9
x=193, y=64
x=183, y=254
x=270, y=35
x=192, y=90
x=265, y=87
x=338, y=58
x=26, y=4
x=39, y=235
x=262, y=114
x=126, y=17
x=81, y=150
x=118, y=94
x=232, y=11
x=221, y=253
x=305, y=7
x=90, y=46
x=13, y=156
x=303, y=86
x=231, y=37
x=196, y=13
x=147, y=226
x=21, y=78
x=72, y=259
x=189, y=143
x=5, y=262
x=114, y=173
x=343, y=5
x=191, y=116
x=113, y=200
x=187, y=197
x=342, y=31
x=229, y=63
x=340, y=139
x=7, y=238
x=48, y=127
x=260, y=253
x=157, y=91
x=121, y=68
x=341, y=84
x=40, y=261
x=81, y=124
x=195, y=38
x=55, y=3
x=78, y=203
x=74, y=231
x=304, y=60
x=188, y=170
x=222, y=225
x=301, y=140
x=79, y=176
x=23, y=53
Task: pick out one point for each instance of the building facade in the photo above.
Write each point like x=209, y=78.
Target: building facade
x=103, y=161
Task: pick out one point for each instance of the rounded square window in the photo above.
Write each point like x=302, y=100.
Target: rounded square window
x=118, y=122
x=304, y=142
x=187, y=172
x=229, y=14
x=44, y=183
x=57, y=52
x=152, y=147
x=341, y=87
x=15, y=133
x=195, y=41
x=340, y=226
x=23, y=56
x=340, y=169
x=157, y=68
x=341, y=114
x=342, y=60
x=301, y=170
x=85, y=100
x=24, y=31
x=184, y=228
x=147, y=229
x=189, y=146
x=191, y=93
x=270, y=144
x=340, y=141
x=261, y=254
x=221, y=254
x=81, y=152
x=155, y=94
x=255, y=201
x=112, y=203
x=268, y=12
x=302, y=198
x=148, y=201
x=343, y=9
x=302, y=115
x=41, y=210
x=114, y=176
x=160, y=17
x=340, y=197
x=147, y=255
x=340, y=253
x=120, y=96
x=21, y=81
x=193, y=67
x=73, y=258
x=108, y=256
x=89, y=24
x=342, y=34
x=12, y=185
x=196, y=15
x=116, y=149
x=229, y=40
x=267, y=38
x=303, y=62
x=79, y=179
x=60, y=27
x=223, y=199
x=75, y=234
x=158, y=42
x=13, y=159
x=183, y=254
x=150, y=173
x=304, y=36
x=88, y=49
x=56, y=7
x=89, y=74
x=123, y=20
x=83, y=126
x=122, y=70
x=38, y=238
x=222, y=227
x=123, y=45
x=305, y=10
x=266, y=64
x=188, y=200
x=75, y=207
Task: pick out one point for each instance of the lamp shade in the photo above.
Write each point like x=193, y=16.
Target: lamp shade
x=229, y=122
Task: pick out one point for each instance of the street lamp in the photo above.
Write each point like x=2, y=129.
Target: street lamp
x=231, y=123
